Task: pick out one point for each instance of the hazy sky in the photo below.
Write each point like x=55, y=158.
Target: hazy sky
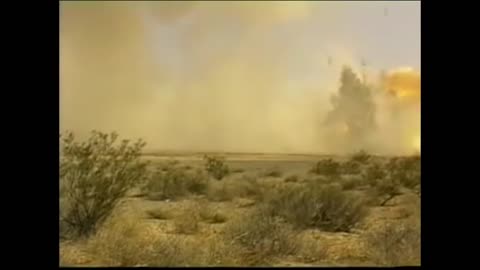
x=251, y=76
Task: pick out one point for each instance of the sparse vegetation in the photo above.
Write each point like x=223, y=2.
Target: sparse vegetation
x=361, y=157
x=95, y=175
x=176, y=182
x=216, y=167
x=398, y=173
x=210, y=215
x=407, y=170
x=261, y=237
x=388, y=188
x=291, y=179
x=374, y=174
x=238, y=170
x=127, y=243
x=247, y=186
x=395, y=244
x=272, y=172
x=251, y=221
x=168, y=165
x=159, y=213
x=327, y=167
x=351, y=183
x=312, y=250
x=187, y=167
x=351, y=167
x=187, y=221
x=219, y=192
x=323, y=206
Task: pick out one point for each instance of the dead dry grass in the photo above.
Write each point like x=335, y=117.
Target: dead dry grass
x=394, y=244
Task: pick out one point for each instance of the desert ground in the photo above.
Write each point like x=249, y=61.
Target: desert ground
x=224, y=222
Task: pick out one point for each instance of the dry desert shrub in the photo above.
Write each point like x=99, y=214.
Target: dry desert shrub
x=187, y=222
x=238, y=170
x=125, y=242
x=374, y=174
x=209, y=214
x=351, y=182
x=291, y=179
x=216, y=167
x=228, y=189
x=219, y=191
x=159, y=213
x=407, y=170
x=260, y=238
x=271, y=172
x=246, y=186
x=395, y=244
x=327, y=167
x=176, y=182
x=216, y=252
x=311, y=250
x=361, y=157
x=316, y=205
x=351, y=167
x=73, y=253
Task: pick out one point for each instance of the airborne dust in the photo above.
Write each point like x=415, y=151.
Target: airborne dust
x=233, y=76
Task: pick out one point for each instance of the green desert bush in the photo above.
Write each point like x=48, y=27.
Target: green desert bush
x=94, y=176
x=216, y=167
x=327, y=167
x=324, y=206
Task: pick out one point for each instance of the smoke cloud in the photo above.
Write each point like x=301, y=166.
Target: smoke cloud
x=213, y=76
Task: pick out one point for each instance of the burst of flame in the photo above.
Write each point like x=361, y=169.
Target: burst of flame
x=404, y=83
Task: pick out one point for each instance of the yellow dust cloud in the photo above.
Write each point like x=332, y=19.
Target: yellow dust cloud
x=416, y=143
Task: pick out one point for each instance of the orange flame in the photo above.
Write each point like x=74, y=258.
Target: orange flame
x=403, y=83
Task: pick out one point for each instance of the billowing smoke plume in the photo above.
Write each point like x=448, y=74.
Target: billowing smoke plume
x=352, y=119
x=231, y=76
